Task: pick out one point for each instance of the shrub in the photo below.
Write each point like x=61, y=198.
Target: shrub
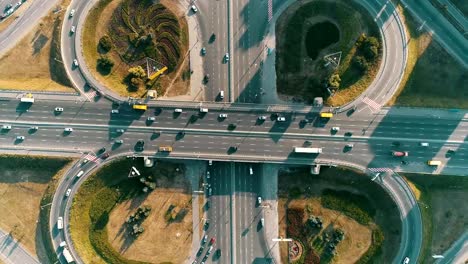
x=334, y=81
x=295, y=192
x=104, y=65
x=105, y=43
x=375, y=247
x=360, y=63
x=137, y=72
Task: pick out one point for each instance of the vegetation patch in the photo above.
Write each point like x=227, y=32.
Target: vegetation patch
x=444, y=220
x=135, y=34
x=307, y=32
x=98, y=222
x=337, y=207
x=27, y=185
x=432, y=77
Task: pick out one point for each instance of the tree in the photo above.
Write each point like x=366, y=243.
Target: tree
x=370, y=48
x=361, y=63
x=104, y=65
x=135, y=77
x=334, y=81
x=105, y=43
x=137, y=72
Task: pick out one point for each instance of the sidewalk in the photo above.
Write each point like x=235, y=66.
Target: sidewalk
x=11, y=251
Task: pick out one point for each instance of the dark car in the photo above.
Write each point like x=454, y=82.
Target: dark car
x=200, y=251
x=105, y=155
x=102, y=150
x=206, y=79
x=140, y=145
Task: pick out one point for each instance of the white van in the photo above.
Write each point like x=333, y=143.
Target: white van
x=424, y=144
x=178, y=110
x=251, y=170
x=79, y=174
x=60, y=223
x=203, y=110
x=221, y=95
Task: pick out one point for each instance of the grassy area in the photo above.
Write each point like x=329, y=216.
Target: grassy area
x=108, y=191
x=35, y=62
x=342, y=196
x=138, y=29
x=432, y=77
x=444, y=219
x=25, y=181
x=301, y=77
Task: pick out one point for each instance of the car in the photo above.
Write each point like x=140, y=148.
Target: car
x=207, y=174
x=400, y=153
x=262, y=118
x=102, y=150
x=406, y=260
x=105, y=155
x=335, y=129
x=200, y=251
x=114, y=111
x=120, y=130
x=210, y=191
x=20, y=138
x=212, y=240
x=58, y=109
x=259, y=200
x=206, y=78
x=68, y=192
x=194, y=9
x=404, y=162
x=232, y=126
x=203, y=51
x=72, y=12
x=222, y=116
x=262, y=221
x=119, y=141
x=280, y=119
x=72, y=29
x=75, y=63
x=140, y=146
x=206, y=225
x=6, y=127
x=226, y=57
x=177, y=110
x=205, y=258
x=151, y=118
x=34, y=128
x=63, y=244
x=212, y=38
x=210, y=162
x=424, y=144
x=350, y=145
x=210, y=249
x=68, y=129
x=205, y=238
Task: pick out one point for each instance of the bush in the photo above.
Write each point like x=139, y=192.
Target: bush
x=105, y=43
x=368, y=47
x=104, y=65
x=295, y=192
x=360, y=63
x=352, y=205
x=334, y=81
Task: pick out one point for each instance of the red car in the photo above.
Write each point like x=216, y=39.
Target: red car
x=105, y=155
x=400, y=153
x=212, y=241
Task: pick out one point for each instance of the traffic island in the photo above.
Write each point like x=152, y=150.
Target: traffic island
x=328, y=49
x=142, y=219
x=135, y=46
x=336, y=216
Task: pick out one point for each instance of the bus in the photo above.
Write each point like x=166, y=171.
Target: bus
x=307, y=150
x=326, y=115
x=140, y=107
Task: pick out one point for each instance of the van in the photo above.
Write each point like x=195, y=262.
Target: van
x=424, y=144
x=60, y=223
x=178, y=110
x=434, y=162
x=80, y=174
x=251, y=170
x=203, y=110
x=221, y=95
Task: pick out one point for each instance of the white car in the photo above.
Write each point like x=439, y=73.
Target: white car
x=281, y=119
x=205, y=238
x=119, y=141
x=72, y=29
x=207, y=174
x=63, y=244
x=20, y=138
x=58, y=109
x=68, y=129
x=75, y=63
x=178, y=110
x=262, y=221
x=222, y=115
x=34, y=128
x=406, y=260
x=72, y=12
x=263, y=118
x=114, y=111
x=336, y=129
x=226, y=57
x=259, y=200
x=68, y=193
x=194, y=8
x=6, y=127
x=151, y=118
x=120, y=130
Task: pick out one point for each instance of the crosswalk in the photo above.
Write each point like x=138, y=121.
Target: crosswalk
x=270, y=10
x=380, y=169
x=91, y=158
x=371, y=103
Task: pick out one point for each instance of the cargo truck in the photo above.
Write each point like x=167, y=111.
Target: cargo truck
x=67, y=255
x=307, y=150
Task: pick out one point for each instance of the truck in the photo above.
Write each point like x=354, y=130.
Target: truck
x=400, y=153
x=27, y=98
x=307, y=150
x=67, y=255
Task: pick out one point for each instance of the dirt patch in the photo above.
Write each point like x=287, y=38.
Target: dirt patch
x=35, y=62
x=21, y=191
x=432, y=77
x=310, y=187
x=129, y=21
x=152, y=245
